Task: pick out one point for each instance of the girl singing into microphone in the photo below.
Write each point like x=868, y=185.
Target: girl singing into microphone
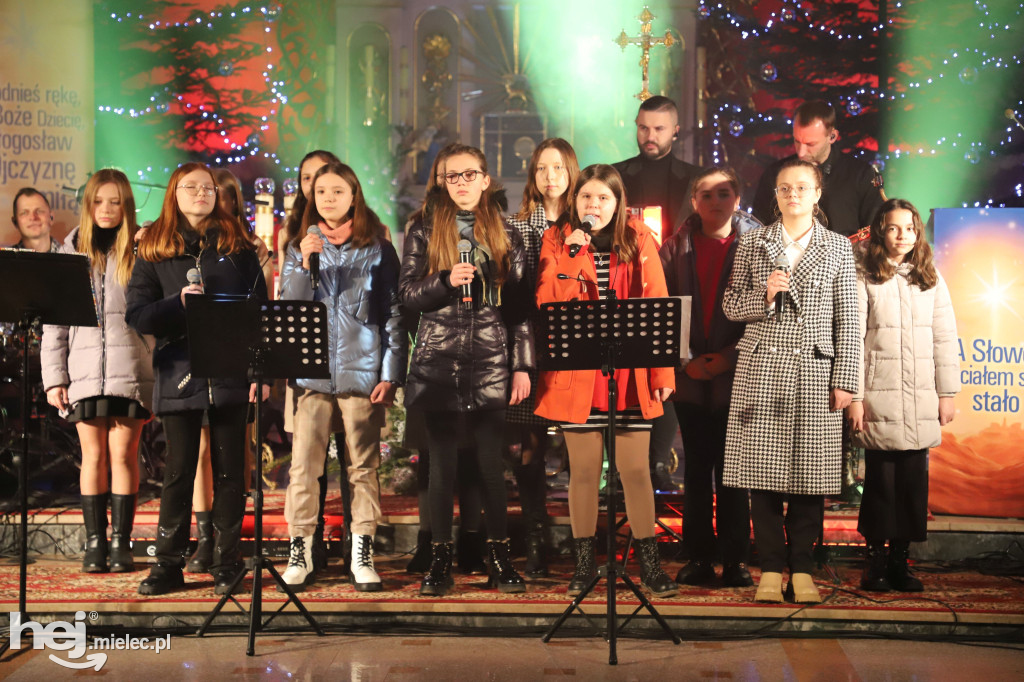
x=795, y=372
x=194, y=232
x=469, y=361
x=621, y=256
x=358, y=280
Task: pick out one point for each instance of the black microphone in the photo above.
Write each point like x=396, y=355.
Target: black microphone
x=465, y=290
x=781, y=263
x=314, y=260
x=588, y=223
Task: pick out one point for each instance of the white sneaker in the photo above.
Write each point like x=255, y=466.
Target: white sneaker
x=364, y=576
x=300, y=564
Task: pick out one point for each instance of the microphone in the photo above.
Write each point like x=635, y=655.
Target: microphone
x=314, y=260
x=587, y=224
x=465, y=290
x=781, y=263
x=1012, y=115
x=194, y=276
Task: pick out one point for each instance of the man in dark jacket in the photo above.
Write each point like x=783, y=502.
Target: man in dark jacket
x=850, y=197
x=655, y=177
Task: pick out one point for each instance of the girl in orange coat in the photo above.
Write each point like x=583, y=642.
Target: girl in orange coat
x=622, y=256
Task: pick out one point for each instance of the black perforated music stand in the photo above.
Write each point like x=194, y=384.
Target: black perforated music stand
x=259, y=340
x=610, y=334
x=40, y=288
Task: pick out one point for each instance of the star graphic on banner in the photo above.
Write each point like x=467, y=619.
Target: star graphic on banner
x=19, y=35
x=996, y=295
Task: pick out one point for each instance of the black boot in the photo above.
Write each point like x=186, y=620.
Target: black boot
x=874, y=579
x=162, y=579
x=94, y=514
x=502, y=574
x=897, y=570
x=122, y=518
x=438, y=579
x=227, y=554
x=586, y=565
x=536, y=553
x=203, y=557
x=420, y=562
x=696, y=572
x=469, y=552
x=651, y=575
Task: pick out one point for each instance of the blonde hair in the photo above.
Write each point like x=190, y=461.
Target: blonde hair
x=124, y=244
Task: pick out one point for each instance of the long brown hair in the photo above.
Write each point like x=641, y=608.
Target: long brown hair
x=124, y=251
x=819, y=179
x=532, y=195
x=163, y=240
x=366, y=227
x=228, y=183
x=874, y=260
x=488, y=228
x=294, y=222
x=623, y=236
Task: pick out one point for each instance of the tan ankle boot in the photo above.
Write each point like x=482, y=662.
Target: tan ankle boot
x=769, y=588
x=803, y=588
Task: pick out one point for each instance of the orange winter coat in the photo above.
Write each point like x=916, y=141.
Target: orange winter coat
x=567, y=396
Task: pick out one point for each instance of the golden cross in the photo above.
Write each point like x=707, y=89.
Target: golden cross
x=646, y=41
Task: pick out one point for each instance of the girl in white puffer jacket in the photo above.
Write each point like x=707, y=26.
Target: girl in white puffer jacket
x=907, y=382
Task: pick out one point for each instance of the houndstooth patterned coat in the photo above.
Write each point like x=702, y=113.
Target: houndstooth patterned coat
x=781, y=435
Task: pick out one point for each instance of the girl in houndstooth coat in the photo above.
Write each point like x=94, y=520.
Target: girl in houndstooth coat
x=796, y=371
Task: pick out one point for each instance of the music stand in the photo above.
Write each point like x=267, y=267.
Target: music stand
x=40, y=288
x=609, y=334
x=281, y=340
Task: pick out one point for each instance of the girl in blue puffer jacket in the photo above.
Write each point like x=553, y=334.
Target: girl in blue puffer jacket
x=358, y=281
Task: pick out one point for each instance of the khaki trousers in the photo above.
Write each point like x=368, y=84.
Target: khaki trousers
x=317, y=416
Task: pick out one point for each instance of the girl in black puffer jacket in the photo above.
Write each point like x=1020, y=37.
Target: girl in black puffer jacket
x=469, y=353
x=194, y=232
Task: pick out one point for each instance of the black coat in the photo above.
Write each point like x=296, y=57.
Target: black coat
x=678, y=207
x=154, y=307
x=462, y=358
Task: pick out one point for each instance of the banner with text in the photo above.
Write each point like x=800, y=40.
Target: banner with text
x=979, y=468
x=46, y=105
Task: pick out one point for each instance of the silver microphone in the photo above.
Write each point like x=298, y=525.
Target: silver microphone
x=314, y=260
x=465, y=247
x=194, y=276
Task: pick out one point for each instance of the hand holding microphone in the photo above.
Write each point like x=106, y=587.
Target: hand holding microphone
x=195, y=284
x=579, y=238
x=778, y=284
x=311, y=246
x=462, y=273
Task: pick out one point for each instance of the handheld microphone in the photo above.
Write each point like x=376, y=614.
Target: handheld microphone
x=587, y=224
x=194, y=276
x=314, y=260
x=781, y=263
x=465, y=290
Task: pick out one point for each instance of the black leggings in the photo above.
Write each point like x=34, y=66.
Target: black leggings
x=227, y=456
x=485, y=428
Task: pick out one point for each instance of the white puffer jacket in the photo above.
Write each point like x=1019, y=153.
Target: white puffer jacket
x=112, y=359
x=910, y=360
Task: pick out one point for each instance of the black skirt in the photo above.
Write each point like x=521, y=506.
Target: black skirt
x=107, y=406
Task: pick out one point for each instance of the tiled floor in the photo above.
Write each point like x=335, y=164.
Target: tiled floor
x=400, y=658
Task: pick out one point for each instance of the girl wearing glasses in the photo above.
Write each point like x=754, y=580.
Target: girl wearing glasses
x=622, y=256
x=473, y=350
x=103, y=376
x=194, y=231
x=910, y=342
x=795, y=372
x=553, y=172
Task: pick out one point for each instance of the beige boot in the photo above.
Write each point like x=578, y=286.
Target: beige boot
x=803, y=588
x=769, y=588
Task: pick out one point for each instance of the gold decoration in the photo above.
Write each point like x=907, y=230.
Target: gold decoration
x=646, y=41
x=436, y=77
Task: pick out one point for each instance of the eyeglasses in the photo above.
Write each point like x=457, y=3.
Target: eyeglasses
x=196, y=190
x=801, y=190
x=467, y=175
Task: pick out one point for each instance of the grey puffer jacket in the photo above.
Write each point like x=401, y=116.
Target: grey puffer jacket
x=360, y=288
x=911, y=359
x=109, y=360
